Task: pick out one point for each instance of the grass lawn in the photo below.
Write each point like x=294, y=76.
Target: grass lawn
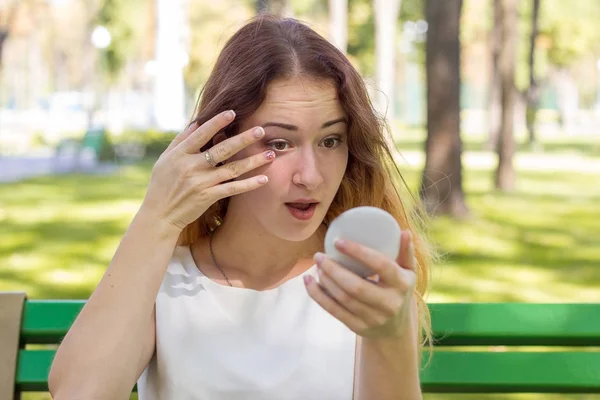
x=540, y=243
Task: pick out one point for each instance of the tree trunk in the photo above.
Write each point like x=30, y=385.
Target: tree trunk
x=386, y=17
x=495, y=106
x=532, y=95
x=505, y=173
x=441, y=186
x=338, y=24
x=11, y=12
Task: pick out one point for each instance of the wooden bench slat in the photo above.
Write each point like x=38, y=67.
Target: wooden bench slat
x=516, y=324
x=449, y=371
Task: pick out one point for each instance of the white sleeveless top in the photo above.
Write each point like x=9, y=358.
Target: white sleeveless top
x=226, y=343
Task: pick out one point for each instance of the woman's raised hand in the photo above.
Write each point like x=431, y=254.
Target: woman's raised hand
x=185, y=182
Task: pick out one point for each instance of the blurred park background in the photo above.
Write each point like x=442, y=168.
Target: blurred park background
x=494, y=107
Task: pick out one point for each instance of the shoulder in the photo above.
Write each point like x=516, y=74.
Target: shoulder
x=181, y=269
x=180, y=260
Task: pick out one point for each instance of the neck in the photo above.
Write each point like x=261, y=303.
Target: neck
x=248, y=253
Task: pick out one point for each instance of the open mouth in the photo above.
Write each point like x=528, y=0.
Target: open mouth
x=302, y=211
x=300, y=206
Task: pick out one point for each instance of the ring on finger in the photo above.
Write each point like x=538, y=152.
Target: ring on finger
x=209, y=159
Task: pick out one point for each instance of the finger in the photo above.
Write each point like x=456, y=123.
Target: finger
x=379, y=263
x=232, y=170
x=227, y=148
x=194, y=142
x=407, y=259
x=236, y=187
x=332, y=307
x=357, y=287
x=372, y=316
x=183, y=135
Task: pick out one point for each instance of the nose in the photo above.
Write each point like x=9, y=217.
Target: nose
x=307, y=173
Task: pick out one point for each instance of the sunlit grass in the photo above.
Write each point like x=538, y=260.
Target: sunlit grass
x=58, y=234
x=540, y=243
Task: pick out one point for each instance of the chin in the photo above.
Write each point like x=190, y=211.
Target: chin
x=296, y=231
x=296, y=234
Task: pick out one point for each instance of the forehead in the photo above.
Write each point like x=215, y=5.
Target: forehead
x=298, y=98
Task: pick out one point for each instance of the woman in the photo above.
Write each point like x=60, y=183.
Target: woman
x=219, y=289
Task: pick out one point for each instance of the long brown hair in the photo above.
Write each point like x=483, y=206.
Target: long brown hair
x=269, y=48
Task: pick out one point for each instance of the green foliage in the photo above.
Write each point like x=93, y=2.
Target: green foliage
x=124, y=20
x=361, y=31
x=153, y=142
x=212, y=23
x=569, y=30
x=107, y=149
x=361, y=36
x=568, y=34
x=412, y=10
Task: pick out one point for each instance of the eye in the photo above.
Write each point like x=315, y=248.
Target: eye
x=331, y=142
x=278, y=145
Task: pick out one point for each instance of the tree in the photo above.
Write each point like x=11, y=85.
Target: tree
x=338, y=23
x=505, y=173
x=532, y=94
x=494, y=105
x=386, y=17
x=441, y=186
x=7, y=17
x=112, y=15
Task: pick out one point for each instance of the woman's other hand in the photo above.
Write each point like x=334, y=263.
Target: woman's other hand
x=372, y=309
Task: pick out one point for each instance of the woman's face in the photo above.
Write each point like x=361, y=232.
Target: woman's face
x=307, y=129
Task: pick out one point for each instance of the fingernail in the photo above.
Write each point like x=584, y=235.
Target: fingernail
x=340, y=243
x=230, y=115
x=259, y=132
x=262, y=179
x=307, y=279
x=319, y=257
x=270, y=155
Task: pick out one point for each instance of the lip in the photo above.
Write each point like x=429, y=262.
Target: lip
x=302, y=215
x=305, y=201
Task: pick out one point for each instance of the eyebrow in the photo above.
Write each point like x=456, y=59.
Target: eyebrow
x=295, y=128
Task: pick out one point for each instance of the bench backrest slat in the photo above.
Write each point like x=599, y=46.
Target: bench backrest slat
x=477, y=369
x=516, y=324
x=47, y=321
x=477, y=324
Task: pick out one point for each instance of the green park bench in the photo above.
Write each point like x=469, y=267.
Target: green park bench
x=79, y=152
x=480, y=347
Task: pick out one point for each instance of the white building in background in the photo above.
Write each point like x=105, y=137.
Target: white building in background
x=171, y=58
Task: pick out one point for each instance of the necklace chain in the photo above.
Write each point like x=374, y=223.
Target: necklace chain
x=212, y=254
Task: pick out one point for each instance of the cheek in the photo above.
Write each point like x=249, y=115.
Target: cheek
x=335, y=166
x=279, y=173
